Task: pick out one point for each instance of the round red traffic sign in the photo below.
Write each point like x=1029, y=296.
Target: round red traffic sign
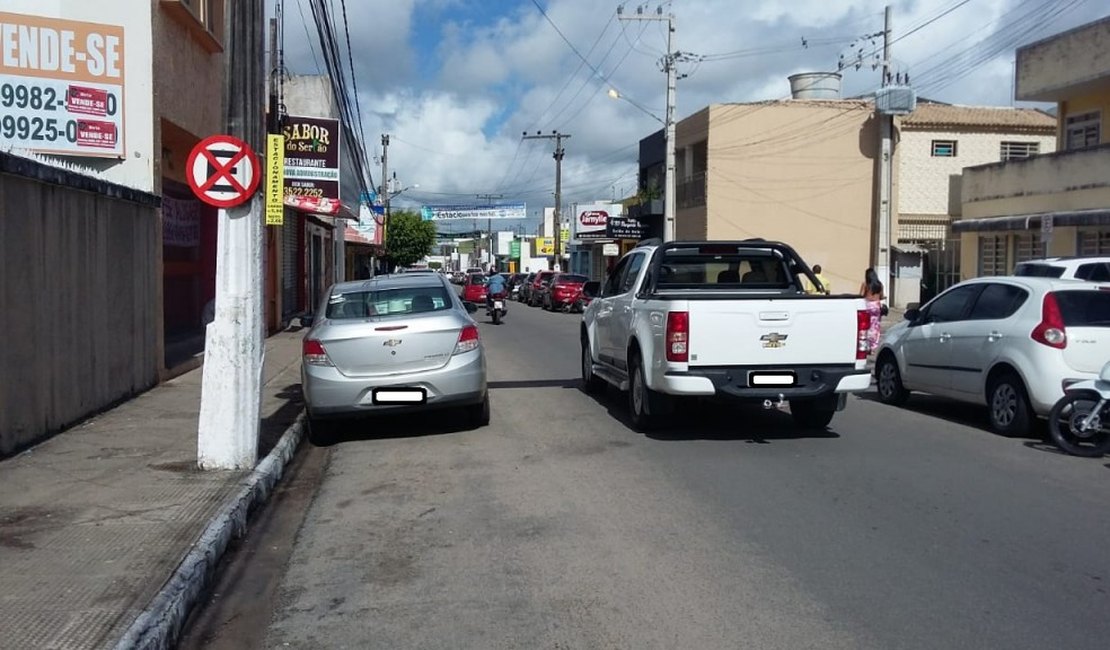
x=223, y=171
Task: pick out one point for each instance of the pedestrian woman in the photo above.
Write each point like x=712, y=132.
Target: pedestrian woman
x=872, y=292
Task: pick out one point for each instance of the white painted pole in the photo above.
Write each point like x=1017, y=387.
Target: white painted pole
x=231, y=393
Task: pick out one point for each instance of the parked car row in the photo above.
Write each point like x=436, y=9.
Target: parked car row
x=550, y=290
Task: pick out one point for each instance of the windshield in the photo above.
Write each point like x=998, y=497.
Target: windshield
x=572, y=279
x=1038, y=270
x=1084, y=308
x=479, y=279
x=690, y=268
x=387, y=302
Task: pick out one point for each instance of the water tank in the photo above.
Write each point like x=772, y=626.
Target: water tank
x=815, y=85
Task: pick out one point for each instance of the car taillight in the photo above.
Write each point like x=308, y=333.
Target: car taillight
x=1051, y=331
x=863, y=324
x=678, y=336
x=313, y=353
x=468, y=339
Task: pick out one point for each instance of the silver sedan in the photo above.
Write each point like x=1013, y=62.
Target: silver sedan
x=393, y=344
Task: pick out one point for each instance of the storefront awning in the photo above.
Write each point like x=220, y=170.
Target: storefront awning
x=1096, y=217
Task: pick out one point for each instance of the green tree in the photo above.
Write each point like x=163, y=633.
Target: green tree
x=408, y=238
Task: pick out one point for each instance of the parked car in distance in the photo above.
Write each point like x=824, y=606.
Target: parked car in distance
x=563, y=291
x=539, y=286
x=1089, y=268
x=392, y=344
x=458, y=277
x=1010, y=343
x=474, y=289
x=513, y=284
x=474, y=269
x=586, y=294
x=526, y=287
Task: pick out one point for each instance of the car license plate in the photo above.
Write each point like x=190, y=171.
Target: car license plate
x=400, y=396
x=772, y=379
x=497, y=304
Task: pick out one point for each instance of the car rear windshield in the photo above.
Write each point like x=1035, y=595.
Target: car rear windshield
x=572, y=279
x=477, y=278
x=388, y=302
x=1084, y=308
x=1039, y=270
x=726, y=267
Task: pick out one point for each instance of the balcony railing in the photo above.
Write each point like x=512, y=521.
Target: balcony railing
x=691, y=191
x=1053, y=173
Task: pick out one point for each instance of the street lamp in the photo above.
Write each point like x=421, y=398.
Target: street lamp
x=616, y=95
x=669, y=135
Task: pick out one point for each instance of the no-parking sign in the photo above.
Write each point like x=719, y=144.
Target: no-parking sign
x=223, y=171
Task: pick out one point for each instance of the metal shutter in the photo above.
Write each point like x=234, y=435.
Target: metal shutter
x=1029, y=247
x=1094, y=242
x=290, y=249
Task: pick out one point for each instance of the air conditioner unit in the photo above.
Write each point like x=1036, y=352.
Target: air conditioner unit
x=895, y=100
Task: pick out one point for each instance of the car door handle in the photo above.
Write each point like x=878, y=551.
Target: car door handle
x=994, y=336
x=944, y=338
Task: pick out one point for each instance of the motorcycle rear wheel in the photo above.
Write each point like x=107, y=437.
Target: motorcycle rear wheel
x=1064, y=425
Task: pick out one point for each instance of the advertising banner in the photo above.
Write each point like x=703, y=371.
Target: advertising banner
x=275, y=180
x=625, y=228
x=514, y=249
x=61, y=86
x=180, y=222
x=312, y=155
x=452, y=212
x=544, y=246
x=591, y=220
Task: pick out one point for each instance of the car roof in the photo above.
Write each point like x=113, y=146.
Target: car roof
x=1074, y=259
x=392, y=281
x=1041, y=283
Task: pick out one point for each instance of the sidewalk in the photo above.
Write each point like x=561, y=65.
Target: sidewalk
x=95, y=520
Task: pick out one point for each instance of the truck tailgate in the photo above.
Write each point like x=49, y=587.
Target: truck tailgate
x=767, y=332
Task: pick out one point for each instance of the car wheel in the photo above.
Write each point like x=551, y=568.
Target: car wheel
x=645, y=406
x=809, y=414
x=321, y=433
x=591, y=383
x=478, y=414
x=1009, y=410
x=889, y=380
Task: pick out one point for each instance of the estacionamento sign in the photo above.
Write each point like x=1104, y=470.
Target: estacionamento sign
x=452, y=212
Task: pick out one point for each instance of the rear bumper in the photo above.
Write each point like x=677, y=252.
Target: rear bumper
x=329, y=392
x=733, y=382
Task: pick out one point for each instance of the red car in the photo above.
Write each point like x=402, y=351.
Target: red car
x=474, y=290
x=564, y=291
x=535, y=292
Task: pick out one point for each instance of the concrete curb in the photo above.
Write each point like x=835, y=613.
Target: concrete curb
x=161, y=622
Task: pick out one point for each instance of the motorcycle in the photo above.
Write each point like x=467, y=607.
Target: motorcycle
x=495, y=308
x=1080, y=420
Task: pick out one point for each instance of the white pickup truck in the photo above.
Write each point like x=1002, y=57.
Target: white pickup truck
x=729, y=320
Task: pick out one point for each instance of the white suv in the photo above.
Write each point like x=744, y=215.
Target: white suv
x=1092, y=269
x=1011, y=343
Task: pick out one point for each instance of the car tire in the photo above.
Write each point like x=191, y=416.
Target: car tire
x=810, y=414
x=478, y=414
x=646, y=407
x=591, y=383
x=1008, y=406
x=888, y=381
x=321, y=433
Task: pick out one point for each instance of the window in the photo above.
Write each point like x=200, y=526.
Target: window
x=944, y=148
x=1082, y=131
x=1029, y=246
x=634, y=264
x=998, y=301
x=1038, y=270
x=1084, y=308
x=1094, y=242
x=1093, y=272
x=204, y=18
x=949, y=306
x=613, y=282
x=1019, y=150
x=714, y=265
x=388, y=302
x=993, y=258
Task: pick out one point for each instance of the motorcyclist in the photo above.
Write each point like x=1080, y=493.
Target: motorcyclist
x=495, y=287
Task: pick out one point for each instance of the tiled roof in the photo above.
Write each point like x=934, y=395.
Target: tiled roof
x=927, y=116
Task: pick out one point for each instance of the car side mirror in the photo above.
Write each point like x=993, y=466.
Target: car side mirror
x=307, y=320
x=591, y=289
x=471, y=307
x=912, y=315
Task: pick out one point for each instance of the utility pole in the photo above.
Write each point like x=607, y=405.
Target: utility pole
x=385, y=190
x=559, y=152
x=886, y=164
x=231, y=391
x=489, y=222
x=669, y=62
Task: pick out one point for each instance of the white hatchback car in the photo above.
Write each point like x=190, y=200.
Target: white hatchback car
x=1092, y=269
x=1012, y=343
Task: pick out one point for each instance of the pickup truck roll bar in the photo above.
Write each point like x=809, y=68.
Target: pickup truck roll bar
x=795, y=263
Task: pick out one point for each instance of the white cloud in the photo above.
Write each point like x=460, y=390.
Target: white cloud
x=514, y=70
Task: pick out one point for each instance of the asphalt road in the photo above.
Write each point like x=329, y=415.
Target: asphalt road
x=559, y=527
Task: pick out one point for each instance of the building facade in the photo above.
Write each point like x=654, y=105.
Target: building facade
x=1053, y=203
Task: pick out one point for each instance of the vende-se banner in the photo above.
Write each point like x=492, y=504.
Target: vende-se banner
x=61, y=86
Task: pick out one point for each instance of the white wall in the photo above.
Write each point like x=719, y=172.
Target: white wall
x=924, y=180
x=136, y=170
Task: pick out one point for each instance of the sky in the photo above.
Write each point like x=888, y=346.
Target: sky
x=456, y=82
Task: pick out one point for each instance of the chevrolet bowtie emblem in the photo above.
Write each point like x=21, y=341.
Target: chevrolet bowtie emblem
x=774, y=340
x=392, y=343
